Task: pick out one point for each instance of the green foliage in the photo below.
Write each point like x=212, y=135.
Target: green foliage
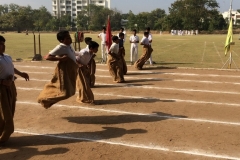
x=192, y=14
x=183, y=15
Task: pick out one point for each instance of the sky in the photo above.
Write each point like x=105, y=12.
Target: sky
x=125, y=5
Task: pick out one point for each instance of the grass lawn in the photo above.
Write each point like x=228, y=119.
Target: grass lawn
x=201, y=51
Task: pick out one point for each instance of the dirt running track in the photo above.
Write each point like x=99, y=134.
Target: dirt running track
x=159, y=114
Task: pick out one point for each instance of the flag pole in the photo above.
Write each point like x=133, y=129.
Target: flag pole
x=230, y=19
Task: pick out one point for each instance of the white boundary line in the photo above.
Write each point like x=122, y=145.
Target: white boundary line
x=153, y=98
x=160, y=73
x=154, y=79
x=218, y=52
x=139, y=114
x=134, y=145
x=166, y=88
x=204, y=50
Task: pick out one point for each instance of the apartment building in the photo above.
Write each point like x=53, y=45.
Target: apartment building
x=72, y=7
x=235, y=16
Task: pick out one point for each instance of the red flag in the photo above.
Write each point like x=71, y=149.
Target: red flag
x=108, y=35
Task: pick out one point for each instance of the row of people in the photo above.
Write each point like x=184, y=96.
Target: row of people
x=134, y=40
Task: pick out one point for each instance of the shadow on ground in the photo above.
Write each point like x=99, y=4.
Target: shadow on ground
x=118, y=119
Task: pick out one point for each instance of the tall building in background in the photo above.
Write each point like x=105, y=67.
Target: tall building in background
x=72, y=7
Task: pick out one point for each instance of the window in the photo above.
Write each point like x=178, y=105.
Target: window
x=68, y=2
x=74, y=9
x=74, y=14
x=79, y=7
x=74, y=4
x=100, y=1
x=62, y=6
x=79, y=2
x=54, y=2
x=68, y=7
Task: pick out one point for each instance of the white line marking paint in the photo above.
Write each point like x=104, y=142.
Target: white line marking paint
x=152, y=98
x=218, y=52
x=163, y=73
x=139, y=114
x=166, y=88
x=154, y=79
x=132, y=145
x=204, y=50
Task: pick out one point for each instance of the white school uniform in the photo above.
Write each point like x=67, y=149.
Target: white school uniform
x=150, y=38
x=134, y=48
x=63, y=49
x=6, y=66
x=83, y=56
x=102, y=36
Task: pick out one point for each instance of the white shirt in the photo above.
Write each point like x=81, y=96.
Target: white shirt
x=132, y=39
x=145, y=41
x=84, y=56
x=63, y=49
x=103, y=37
x=149, y=38
x=6, y=66
x=114, y=48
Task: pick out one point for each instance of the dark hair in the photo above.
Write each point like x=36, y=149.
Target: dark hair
x=146, y=33
x=93, y=44
x=134, y=30
x=121, y=34
x=114, y=38
x=2, y=39
x=148, y=28
x=122, y=28
x=87, y=39
x=61, y=35
x=104, y=28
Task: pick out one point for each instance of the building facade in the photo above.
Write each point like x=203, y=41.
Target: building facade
x=235, y=16
x=72, y=7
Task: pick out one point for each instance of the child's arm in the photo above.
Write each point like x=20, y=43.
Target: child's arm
x=56, y=58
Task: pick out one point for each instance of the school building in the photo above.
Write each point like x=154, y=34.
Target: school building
x=73, y=7
x=235, y=16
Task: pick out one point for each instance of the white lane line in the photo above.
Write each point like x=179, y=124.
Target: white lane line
x=153, y=98
x=204, y=50
x=154, y=79
x=171, y=100
x=218, y=52
x=139, y=114
x=160, y=73
x=195, y=152
x=169, y=88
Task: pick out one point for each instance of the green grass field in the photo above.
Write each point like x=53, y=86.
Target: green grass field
x=201, y=51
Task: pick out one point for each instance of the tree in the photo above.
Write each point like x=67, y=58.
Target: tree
x=41, y=17
x=190, y=14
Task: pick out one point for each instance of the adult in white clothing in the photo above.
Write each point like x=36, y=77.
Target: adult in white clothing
x=134, y=40
x=102, y=36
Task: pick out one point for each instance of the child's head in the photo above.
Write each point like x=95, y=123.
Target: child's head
x=104, y=29
x=134, y=31
x=148, y=29
x=121, y=29
x=93, y=46
x=146, y=34
x=64, y=37
x=2, y=44
x=121, y=35
x=115, y=39
x=87, y=40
